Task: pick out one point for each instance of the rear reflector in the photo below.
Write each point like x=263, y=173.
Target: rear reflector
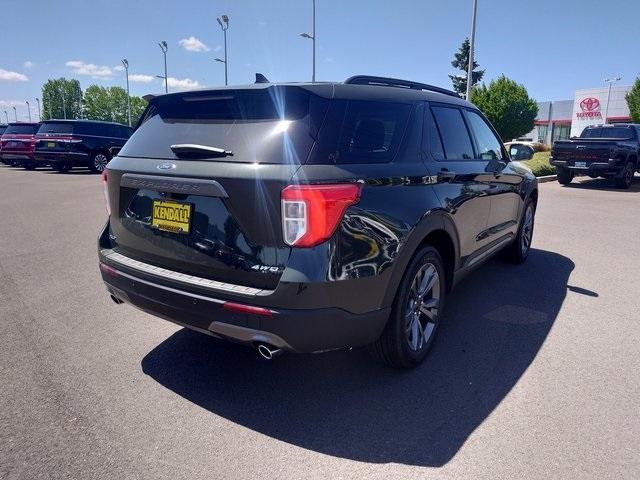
x=109, y=270
x=240, y=308
x=311, y=213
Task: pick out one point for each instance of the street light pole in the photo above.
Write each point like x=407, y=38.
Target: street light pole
x=15, y=113
x=224, y=25
x=164, y=47
x=39, y=115
x=125, y=63
x=610, y=81
x=64, y=106
x=6, y=116
x=471, y=48
x=29, y=110
x=312, y=36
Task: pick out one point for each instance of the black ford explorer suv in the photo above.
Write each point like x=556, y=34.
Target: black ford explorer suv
x=311, y=217
x=609, y=151
x=64, y=144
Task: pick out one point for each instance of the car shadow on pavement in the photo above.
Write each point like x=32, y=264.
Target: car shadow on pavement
x=603, y=184
x=344, y=404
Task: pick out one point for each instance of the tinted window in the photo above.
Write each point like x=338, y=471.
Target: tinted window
x=2, y=129
x=84, y=128
x=56, y=127
x=433, y=137
x=277, y=124
x=454, y=134
x=371, y=131
x=489, y=147
x=22, y=129
x=607, y=132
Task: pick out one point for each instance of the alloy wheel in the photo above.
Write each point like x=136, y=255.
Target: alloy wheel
x=100, y=162
x=527, y=230
x=421, y=313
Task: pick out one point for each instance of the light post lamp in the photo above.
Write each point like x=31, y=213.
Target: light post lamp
x=610, y=81
x=471, y=47
x=312, y=36
x=15, y=113
x=164, y=47
x=39, y=115
x=29, y=110
x=125, y=63
x=6, y=116
x=224, y=25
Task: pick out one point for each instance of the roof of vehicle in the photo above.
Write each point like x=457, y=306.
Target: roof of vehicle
x=23, y=123
x=612, y=125
x=393, y=91
x=81, y=120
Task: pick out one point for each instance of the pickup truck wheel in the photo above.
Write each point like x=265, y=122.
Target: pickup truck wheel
x=518, y=251
x=98, y=162
x=626, y=177
x=564, y=175
x=416, y=313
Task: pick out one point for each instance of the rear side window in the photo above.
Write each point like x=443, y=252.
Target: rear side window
x=433, y=137
x=453, y=131
x=84, y=128
x=22, y=129
x=56, y=128
x=358, y=131
x=489, y=147
x=608, y=132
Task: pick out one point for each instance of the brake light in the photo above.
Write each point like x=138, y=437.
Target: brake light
x=311, y=213
x=105, y=190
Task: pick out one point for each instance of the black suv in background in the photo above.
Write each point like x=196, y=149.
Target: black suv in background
x=311, y=217
x=608, y=151
x=64, y=144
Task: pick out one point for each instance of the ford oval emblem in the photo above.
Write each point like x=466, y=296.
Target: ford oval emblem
x=166, y=166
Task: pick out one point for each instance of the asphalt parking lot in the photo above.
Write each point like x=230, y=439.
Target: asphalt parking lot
x=534, y=374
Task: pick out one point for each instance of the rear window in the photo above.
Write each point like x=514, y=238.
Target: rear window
x=277, y=124
x=607, y=132
x=22, y=129
x=56, y=127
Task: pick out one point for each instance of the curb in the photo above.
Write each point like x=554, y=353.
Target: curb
x=547, y=178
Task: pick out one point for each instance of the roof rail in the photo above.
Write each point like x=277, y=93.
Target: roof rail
x=396, y=82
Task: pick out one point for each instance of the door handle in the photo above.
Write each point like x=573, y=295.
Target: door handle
x=446, y=175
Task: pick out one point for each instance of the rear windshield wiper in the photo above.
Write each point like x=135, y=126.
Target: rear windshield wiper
x=196, y=150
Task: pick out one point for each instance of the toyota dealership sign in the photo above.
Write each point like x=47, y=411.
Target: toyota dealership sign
x=589, y=109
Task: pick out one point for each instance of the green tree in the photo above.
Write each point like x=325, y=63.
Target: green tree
x=461, y=62
x=633, y=100
x=110, y=104
x=507, y=105
x=54, y=91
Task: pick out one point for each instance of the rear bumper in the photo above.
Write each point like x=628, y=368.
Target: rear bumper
x=612, y=165
x=50, y=158
x=300, y=330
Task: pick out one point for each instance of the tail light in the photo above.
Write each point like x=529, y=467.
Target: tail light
x=311, y=213
x=105, y=190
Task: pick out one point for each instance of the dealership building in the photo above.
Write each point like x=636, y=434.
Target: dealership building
x=562, y=119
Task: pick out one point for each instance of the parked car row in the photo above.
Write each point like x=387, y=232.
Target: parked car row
x=62, y=144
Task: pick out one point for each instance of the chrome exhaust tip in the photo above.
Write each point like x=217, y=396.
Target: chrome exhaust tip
x=268, y=352
x=116, y=300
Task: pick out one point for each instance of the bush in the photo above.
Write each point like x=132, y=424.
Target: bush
x=540, y=165
x=541, y=147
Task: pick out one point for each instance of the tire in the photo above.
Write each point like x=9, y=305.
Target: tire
x=98, y=161
x=519, y=249
x=410, y=330
x=625, y=179
x=29, y=165
x=564, y=175
x=61, y=167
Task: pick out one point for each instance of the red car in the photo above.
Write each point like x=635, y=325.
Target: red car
x=17, y=144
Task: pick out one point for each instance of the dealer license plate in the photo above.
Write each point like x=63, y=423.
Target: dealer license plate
x=171, y=216
x=580, y=164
